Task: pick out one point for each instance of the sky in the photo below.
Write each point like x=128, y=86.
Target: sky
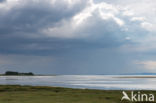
x=78, y=36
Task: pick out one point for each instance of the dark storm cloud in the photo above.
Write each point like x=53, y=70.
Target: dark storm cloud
x=20, y=29
x=31, y=16
x=48, y=46
x=20, y=26
x=2, y=1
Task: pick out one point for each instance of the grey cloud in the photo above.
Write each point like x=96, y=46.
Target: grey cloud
x=20, y=26
x=2, y=1
x=31, y=16
x=49, y=46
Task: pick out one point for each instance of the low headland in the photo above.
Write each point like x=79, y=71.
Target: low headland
x=14, y=73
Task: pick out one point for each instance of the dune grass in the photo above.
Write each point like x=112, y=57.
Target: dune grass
x=41, y=94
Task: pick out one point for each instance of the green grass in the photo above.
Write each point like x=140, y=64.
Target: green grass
x=40, y=94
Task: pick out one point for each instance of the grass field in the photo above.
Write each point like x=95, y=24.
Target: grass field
x=40, y=94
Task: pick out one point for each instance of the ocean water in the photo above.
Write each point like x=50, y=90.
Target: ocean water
x=105, y=82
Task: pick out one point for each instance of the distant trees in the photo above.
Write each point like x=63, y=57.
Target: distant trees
x=17, y=73
x=11, y=73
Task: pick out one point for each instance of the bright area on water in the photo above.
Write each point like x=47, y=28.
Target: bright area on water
x=106, y=82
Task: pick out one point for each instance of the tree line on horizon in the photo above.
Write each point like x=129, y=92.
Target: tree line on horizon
x=18, y=73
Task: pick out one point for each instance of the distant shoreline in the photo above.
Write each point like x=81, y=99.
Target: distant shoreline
x=139, y=76
x=119, y=76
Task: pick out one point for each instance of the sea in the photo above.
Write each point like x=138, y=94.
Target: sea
x=104, y=82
